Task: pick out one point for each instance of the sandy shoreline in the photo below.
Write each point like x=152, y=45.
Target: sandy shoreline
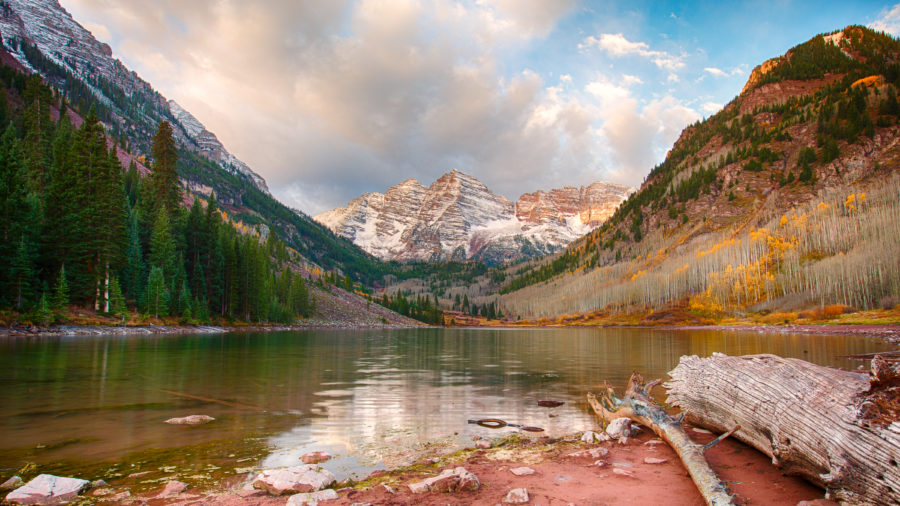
x=643, y=470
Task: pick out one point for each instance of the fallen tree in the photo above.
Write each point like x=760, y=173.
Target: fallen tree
x=838, y=429
x=638, y=406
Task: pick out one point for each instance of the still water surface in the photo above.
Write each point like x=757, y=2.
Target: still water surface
x=370, y=397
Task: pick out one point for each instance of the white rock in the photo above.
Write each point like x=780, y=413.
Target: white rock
x=516, y=496
x=622, y=472
x=418, y=488
x=482, y=444
x=618, y=428
x=652, y=460
x=305, y=478
x=388, y=488
x=47, y=489
x=312, y=498
x=450, y=480
x=591, y=437
x=190, y=420
x=522, y=471
x=598, y=452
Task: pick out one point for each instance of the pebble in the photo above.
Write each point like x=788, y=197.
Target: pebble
x=516, y=496
x=482, y=444
x=652, y=460
x=622, y=472
x=522, y=471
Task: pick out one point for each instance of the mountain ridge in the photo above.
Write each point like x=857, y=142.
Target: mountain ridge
x=458, y=218
x=811, y=132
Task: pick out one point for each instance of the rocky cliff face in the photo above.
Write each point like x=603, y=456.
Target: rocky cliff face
x=458, y=217
x=60, y=39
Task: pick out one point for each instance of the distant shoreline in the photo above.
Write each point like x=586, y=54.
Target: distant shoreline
x=110, y=330
x=889, y=332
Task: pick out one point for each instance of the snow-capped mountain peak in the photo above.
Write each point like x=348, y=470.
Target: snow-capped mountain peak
x=458, y=217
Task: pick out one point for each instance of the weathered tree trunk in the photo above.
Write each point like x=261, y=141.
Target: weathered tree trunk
x=639, y=407
x=836, y=428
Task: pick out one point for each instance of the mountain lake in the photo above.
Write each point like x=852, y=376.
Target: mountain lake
x=95, y=407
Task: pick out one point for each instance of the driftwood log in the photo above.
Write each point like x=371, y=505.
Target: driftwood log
x=638, y=406
x=838, y=429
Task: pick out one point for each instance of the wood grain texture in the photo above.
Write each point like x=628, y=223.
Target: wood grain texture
x=805, y=417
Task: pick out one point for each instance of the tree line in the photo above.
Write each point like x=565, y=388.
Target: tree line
x=77, y=229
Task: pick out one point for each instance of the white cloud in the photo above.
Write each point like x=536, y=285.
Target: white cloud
x=617, y=45
x=630, y=80
x=711, y=107
x=638, y=136
x=715, y=71
x=888, y=20
x=530, y=18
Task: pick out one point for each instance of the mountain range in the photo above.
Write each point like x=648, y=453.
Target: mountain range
x=458, y=218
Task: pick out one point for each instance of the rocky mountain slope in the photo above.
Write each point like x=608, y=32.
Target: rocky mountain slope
x=459, y=218
x=44, y=38
x=760, y=203
x=65, y=43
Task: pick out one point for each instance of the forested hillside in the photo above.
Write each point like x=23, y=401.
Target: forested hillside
x=77, y=228
x=788, y=196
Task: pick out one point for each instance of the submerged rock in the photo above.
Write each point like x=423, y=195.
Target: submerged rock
x=312, y=498
x=190, y=420
x=305, y=478
x=315, y=457
x=14, y=482
x=516, y=496
x=47, y=489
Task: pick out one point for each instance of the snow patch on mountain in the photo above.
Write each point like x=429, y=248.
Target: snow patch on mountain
x=458, y=217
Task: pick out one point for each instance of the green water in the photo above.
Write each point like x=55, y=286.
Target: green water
x=372, y=398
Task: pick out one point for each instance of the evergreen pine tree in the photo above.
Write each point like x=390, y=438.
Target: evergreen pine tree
x=44, y=313
x=116, y=300
x=164, y=178
x=133, y=274
x=156, y=294
x=22, y=274
x=61, y=293
x=162, y=247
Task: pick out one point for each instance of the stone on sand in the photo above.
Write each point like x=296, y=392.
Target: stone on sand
x=516, y=496
x=296, y=479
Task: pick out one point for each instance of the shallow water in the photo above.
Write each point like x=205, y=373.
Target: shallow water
x=373, y=398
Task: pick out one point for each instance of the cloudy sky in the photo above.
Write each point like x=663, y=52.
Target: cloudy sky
x=327, y=99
